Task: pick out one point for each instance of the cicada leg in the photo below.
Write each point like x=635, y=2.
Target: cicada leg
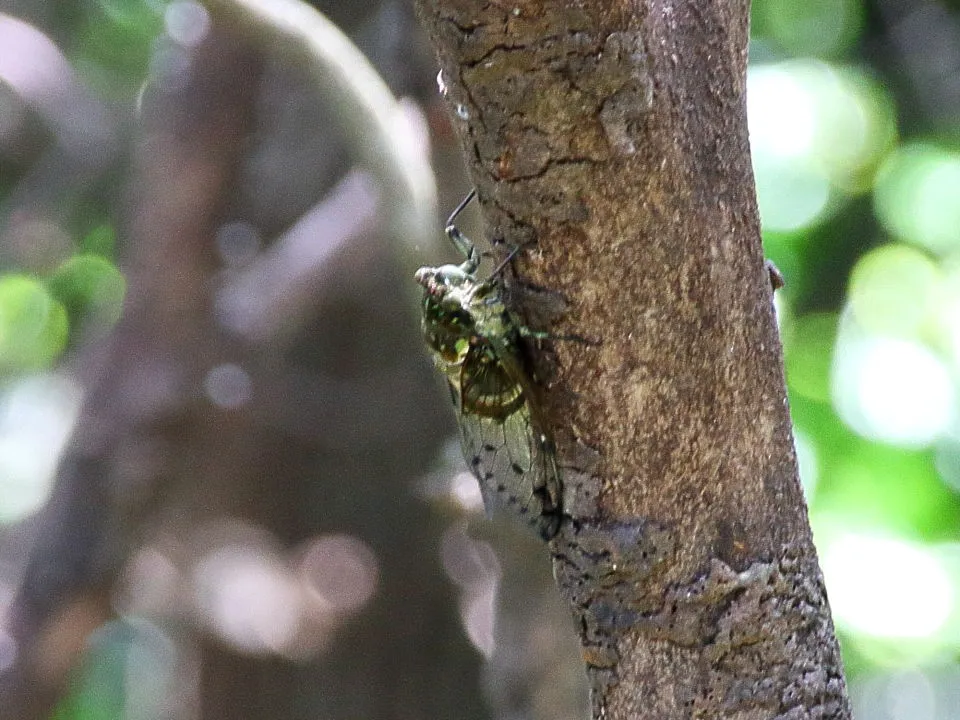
x=460, y=241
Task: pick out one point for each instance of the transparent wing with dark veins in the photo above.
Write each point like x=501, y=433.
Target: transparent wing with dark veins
x=514, y=464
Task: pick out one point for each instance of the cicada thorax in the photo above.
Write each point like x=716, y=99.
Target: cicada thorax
x=486, y=387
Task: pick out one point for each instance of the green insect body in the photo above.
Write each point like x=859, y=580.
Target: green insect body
x=475, y=341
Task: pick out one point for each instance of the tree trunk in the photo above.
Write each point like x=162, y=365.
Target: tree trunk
x=609, y=142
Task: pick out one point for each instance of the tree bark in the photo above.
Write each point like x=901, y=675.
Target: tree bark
x=609, y=141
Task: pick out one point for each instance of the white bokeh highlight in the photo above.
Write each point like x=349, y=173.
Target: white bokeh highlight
x=886, y=587
x=892, y=390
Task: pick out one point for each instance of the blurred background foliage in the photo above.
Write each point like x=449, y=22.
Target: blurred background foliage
x=854, y=109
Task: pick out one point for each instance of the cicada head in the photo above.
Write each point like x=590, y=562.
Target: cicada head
x=448, y=326
x=444, y=280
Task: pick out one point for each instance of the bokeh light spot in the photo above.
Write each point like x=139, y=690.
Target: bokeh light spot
x=474, y=567
x=893, y=289
x=468, y=562
x=892, y=390
x=816, y=134
x=36, y=416
x=910, y=696
x=856, y=128
x=101, y=240
x=466, y=492
x=929, y=692
x=790, y=196
x=781, y=111
x=33, y=325
x=248, y=598
x=150, y=671
x=150, y=583
x=339, y=571
x=228, y=386
x=946, y=459
x=886, y=588
x=917, y=196
x=187, y=23
x=947, y=315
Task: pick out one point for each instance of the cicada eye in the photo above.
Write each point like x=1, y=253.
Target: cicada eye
x=425, y=275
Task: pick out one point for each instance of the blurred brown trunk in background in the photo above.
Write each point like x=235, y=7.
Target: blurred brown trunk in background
x=189, y=430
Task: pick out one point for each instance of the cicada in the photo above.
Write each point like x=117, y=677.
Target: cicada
x=477, y=344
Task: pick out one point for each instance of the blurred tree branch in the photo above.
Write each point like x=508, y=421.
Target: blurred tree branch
x=370, y=117
x=610, y=140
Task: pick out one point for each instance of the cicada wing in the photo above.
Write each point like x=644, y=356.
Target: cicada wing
x=543, y=451
x=513, y=468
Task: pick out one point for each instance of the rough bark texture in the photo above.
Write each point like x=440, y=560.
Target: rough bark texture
x=609, y=139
